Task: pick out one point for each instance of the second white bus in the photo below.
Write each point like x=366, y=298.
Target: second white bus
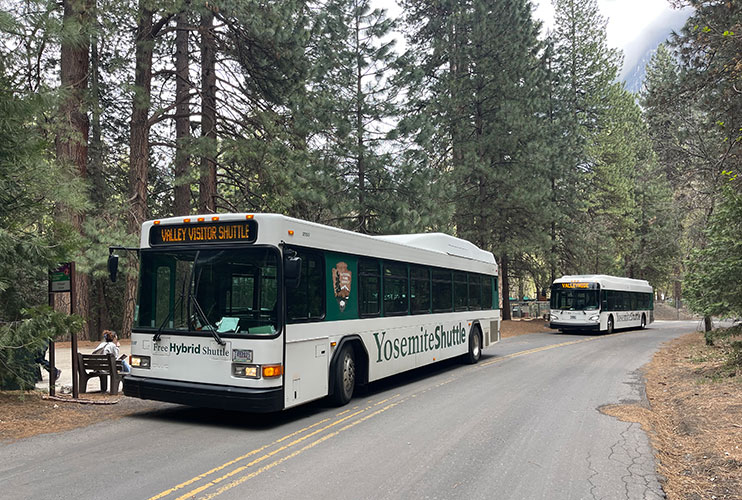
x=600, y=303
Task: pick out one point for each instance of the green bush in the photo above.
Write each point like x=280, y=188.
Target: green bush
x=22, y=341
x=726, y=343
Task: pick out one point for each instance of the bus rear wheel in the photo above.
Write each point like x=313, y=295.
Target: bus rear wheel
x=345, y=376
x=644, y=323
x=475, y=346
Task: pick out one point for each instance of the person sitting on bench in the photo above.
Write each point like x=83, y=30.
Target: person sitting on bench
x=110, y=345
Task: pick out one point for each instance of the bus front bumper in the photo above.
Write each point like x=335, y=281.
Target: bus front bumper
x=565, y=325
x=205, y=395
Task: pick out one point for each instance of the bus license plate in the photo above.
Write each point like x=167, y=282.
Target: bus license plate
x=242, y=355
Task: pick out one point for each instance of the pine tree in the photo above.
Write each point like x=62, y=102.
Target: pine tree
x=182, y=162
x=139, y=143
x=350, y=86
x=32, y=241
x=585, y=69
x=74, y=124
x=207, y=178
x=260, y=68
x=707, y=139
x=484, y=91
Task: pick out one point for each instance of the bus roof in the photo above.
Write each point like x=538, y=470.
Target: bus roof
x=609, y=282
x=424, y=248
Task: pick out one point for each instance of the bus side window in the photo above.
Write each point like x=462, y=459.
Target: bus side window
x=307, y=301
x=460, y=291
x=420, y=289
x=475, y=292
x=487, y=293
x=610, y=300
x=442, y=290
x=396, y=284
x=369, y=288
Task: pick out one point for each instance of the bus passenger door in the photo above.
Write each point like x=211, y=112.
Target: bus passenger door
x=307, y=343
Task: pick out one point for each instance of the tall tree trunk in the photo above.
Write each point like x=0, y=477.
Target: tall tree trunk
x=504, y=265
x=72, y=137
x=555, y=206
x=95, y=170
x=95, y=158
x=362, y=212
x=139, y=147
x=458, y=74
x=182, y=119
x=207, y=183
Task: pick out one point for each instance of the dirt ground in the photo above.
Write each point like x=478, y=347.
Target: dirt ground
x=522, y=326
x=693, y=418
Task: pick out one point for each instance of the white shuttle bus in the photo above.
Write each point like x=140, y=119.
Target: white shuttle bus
x=262, y=312
x=600, y=303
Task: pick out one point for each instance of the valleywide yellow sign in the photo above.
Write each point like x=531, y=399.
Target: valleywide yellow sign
x=575, y=285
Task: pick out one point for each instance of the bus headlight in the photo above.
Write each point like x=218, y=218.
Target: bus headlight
x=552, y=317
x=594, y=318
x=140, y=361
x=245, y=371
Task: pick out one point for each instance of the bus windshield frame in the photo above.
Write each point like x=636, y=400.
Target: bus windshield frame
x=575, y=299
x=234, y=291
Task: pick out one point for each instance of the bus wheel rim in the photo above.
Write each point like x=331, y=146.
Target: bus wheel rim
x=348, y=374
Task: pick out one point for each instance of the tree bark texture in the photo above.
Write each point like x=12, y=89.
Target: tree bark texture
x=182, y=119
x=207, y=183
x=361, y=163
x=139, y=148
x=504, y=265
x=74, y=126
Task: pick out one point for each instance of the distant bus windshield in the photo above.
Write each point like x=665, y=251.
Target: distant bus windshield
x=231, y=291
x=574, y=299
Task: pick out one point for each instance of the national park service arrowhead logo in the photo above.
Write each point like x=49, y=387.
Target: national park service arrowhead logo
x=341, y=282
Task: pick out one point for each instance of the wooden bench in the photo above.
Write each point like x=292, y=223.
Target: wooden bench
x=103, y=366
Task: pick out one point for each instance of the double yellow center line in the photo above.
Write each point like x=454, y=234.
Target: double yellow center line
x=265, y=457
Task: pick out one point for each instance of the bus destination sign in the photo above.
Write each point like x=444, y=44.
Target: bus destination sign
x=575, y=284
x=213, y=232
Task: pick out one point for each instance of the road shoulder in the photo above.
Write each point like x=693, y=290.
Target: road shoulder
x=694, y=421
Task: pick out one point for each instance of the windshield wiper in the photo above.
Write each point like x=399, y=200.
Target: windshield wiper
x=156, y=337
x=205, y=321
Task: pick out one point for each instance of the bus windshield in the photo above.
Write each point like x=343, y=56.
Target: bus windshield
x=234, y=292
x=574, y=300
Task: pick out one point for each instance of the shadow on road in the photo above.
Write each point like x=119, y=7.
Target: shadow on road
x=247, y=421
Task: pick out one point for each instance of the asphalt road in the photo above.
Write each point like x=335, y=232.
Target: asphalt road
x=522, y=424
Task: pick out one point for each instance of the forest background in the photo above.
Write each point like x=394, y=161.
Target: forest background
x=481, y=126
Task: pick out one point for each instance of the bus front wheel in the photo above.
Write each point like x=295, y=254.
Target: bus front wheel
x=345, y=376
x=475, y=346
x=644, y=323
x=610, y=325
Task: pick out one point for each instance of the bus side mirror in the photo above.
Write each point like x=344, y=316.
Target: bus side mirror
x=113, y=267
x=291, y=270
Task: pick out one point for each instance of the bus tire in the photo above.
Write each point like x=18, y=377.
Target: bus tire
x=475, y=346
x=644, y=322
x=610, y=328
x=345, y=376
